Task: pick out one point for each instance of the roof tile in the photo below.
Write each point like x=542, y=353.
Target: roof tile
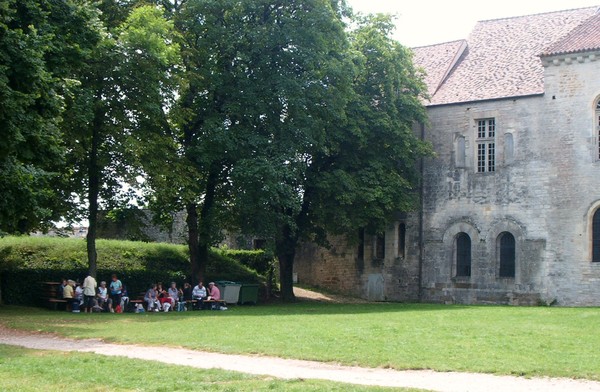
x=501, y=59
x=584, y=37
x=437, y=61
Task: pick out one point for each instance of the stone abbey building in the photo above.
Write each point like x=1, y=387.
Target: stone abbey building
x=510, y=209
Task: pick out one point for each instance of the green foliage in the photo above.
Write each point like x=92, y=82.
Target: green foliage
x=267, y=117
x=41, y=43
x=341, y=154
x=25, y=262
x=371, y=161
x=252, y=72
x=529, y=341
x=260, y=261
x=123, y=89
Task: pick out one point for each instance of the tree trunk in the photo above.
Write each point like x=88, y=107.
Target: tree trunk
x=192, y=224
x=286, y=252
x=206, y=226
x=93, y=191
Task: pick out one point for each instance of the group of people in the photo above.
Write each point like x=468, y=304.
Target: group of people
x=158, y=299
x=91, y=297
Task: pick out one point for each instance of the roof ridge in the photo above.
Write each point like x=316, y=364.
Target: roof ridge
x=501, y=57
x=439, y=43
x=463, y=50
x=597, y=7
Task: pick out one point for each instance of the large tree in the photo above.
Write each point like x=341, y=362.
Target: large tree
x=252, y=70
x=122, y=93
x=318, y=171
x=42, y=45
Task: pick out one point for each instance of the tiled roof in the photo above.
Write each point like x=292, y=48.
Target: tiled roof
x=583, y=38
x=501, y=59
x=437, y=61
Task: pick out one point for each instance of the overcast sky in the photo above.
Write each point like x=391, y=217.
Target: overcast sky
x=426, y=22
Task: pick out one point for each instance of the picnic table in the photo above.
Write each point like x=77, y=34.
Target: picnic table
x=50, y=296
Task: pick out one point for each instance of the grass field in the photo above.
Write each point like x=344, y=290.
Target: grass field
x=30, y=370
x=491, y=339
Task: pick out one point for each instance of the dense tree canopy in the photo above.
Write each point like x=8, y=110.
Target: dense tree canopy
x=332, y=166
x=122, y=91
x=247, y=65
x=42, y=43
x=269, y=117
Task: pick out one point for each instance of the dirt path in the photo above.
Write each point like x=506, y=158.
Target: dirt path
x=289, y=368
x=315, y=296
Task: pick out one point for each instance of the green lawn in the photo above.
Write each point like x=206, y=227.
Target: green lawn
x=33, y=370
x=491, y=339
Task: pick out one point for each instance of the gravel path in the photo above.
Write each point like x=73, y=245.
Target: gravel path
x=290, y=369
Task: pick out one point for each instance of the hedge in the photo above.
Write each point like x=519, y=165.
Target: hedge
x=26, y=262
x=260, y=261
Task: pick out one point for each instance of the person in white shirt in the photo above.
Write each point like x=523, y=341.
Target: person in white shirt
x=103, y=299
x=89, y=293
x=199, y=294
x=78, y=298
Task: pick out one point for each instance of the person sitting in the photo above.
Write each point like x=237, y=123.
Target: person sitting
x=174, y=294
x=124, y=298
x=104, y=301
x=214, y=292
x=215, y=295
x=185, y=295
x=199, y=294
x=151, y=298
x=77, y=298
x=61, y=288
x=68, y=293
x=187, y=292
x=163, y=297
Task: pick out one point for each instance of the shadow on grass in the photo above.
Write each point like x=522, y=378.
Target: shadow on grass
x=261, y=310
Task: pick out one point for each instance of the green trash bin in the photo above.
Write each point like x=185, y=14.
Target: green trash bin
x=230, y=291
x=248, y=294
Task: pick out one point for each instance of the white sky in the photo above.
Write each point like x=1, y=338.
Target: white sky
x=426, y=22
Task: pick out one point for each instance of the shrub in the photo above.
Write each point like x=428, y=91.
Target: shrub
x=26, y=262
x=258, y=260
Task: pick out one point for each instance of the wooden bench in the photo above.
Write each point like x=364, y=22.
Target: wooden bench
x=50, y=296
x=54, y=303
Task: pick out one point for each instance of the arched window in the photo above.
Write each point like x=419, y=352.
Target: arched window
x=596, y=237
x=401, y=239
x=507, y=253
x=463, y=254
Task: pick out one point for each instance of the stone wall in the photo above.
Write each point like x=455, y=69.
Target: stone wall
x=572, y=91
x=544, y=191
x=137, y=225
x=343, y=268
